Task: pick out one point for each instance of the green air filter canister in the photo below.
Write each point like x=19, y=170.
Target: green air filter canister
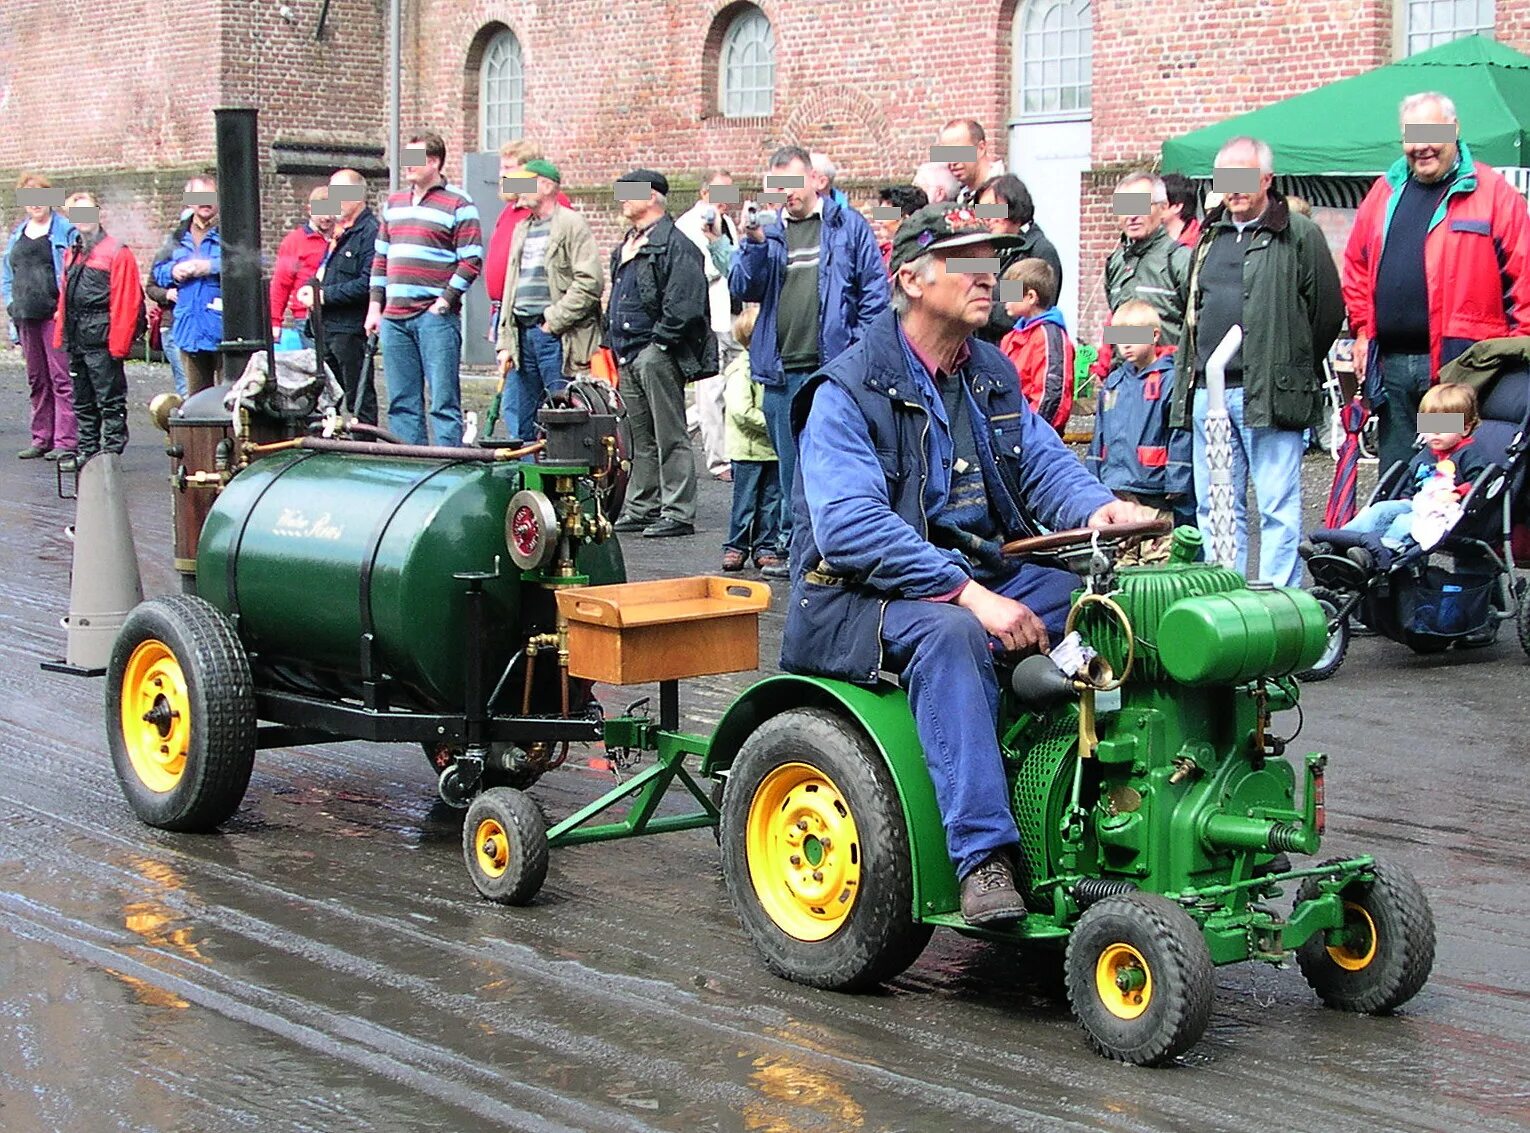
x=1241, y=635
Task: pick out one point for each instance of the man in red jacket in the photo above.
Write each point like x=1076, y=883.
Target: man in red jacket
x=1437, y=260
x=513, y=157
x=297, y=258
x=100, y=313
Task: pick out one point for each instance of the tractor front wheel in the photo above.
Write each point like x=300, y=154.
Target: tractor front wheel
x=1383, y=953
x=504, y=843
x=1140, y=978
x=816, y=853
x=180, y=711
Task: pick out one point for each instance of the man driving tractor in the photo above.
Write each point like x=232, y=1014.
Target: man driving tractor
x=918, y=459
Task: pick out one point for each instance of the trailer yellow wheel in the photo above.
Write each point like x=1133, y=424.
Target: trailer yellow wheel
x=1382, y=954
x=155, y=715
x=804, y=851
x=1140, y=978
x=504, y=843
x=180, y=710
x=816, y=854
x=1123, y=981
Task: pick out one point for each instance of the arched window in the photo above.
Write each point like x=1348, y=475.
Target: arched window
x=1054, y=45
x=1433, y=22
x=501, y=91
x=747, y=67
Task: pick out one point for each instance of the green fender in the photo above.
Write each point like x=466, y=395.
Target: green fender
x=882, y=713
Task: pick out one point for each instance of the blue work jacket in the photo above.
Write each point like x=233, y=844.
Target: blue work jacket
x=852, y=287
x=198, y=326
x=873, y=471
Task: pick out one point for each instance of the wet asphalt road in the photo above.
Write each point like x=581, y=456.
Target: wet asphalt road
x=324, y=963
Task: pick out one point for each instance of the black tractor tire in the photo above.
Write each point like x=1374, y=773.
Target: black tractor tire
x=178, y=659
x=840, y=773
x=1387, y=968
x=440, y=756
x=504, y=844
x=1338, y=638
x=1155, y=937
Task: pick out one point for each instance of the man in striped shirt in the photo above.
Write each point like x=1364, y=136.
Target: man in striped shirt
x=429, y=251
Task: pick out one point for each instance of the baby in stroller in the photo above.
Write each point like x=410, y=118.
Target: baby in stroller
x=1437, y=479
x=1428, y=562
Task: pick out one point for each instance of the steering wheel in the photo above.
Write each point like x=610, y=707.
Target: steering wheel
x=1082, y=537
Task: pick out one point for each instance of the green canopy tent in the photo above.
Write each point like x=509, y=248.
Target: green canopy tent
x=1349, y=130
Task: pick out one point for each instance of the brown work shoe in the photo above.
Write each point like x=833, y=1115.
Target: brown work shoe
x=989, y=895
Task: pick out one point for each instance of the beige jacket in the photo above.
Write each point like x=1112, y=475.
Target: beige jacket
x=573, y=277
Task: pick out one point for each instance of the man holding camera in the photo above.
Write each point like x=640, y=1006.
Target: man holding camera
x=818, y=276
x=708, y=226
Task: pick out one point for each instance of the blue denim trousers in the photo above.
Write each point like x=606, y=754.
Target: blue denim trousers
x=540, y=371
x=754, y=527
x=1391, y=519
x=423, y=351
x=1273, y=459
x=777, y=404
x=1404, y=381
x=945, y=662
x=177, y=367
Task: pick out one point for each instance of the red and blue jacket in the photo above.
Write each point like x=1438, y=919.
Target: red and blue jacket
x=1042, y=354
x=1134, y=450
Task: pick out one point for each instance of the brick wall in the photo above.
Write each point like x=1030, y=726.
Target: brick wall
x=612, y=86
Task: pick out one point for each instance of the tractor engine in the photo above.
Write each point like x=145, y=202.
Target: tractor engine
x=1165, y=776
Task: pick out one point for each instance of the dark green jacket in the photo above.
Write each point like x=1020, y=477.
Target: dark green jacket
x=1157, y=271
x=1292, y=310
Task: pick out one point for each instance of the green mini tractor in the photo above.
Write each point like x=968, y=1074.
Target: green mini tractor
x=1157, y=808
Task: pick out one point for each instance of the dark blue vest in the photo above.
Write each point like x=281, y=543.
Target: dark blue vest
x=833, y=623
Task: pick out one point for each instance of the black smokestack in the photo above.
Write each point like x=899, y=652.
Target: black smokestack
x=246, y=326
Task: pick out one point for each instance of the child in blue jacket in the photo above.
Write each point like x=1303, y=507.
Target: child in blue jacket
x=1134, y=452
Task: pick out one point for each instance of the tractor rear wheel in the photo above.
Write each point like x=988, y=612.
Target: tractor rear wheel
x=1338, y=638
x=816, y=853
x=180, y=710
x=1140, y=978
x=504, y=843
x=1383, y=954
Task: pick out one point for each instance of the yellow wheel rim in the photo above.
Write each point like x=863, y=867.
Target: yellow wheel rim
x=491, y=847
x=1359, y=947
x=156, y=716
x=804, y=852
x=1123, y=981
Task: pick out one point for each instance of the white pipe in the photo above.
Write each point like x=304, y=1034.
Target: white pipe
x=1222, y=533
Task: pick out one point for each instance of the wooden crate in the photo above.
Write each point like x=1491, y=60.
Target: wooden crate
x=638, y=632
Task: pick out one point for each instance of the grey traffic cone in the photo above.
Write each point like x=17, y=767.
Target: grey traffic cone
x=104, y=582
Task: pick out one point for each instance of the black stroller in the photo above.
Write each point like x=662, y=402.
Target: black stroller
x=1459, y=591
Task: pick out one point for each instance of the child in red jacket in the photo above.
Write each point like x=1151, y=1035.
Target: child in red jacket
x=100, y=313
x=1039, y=345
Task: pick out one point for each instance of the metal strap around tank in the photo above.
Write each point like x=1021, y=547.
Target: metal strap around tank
x=369, y=563
x=232, y=587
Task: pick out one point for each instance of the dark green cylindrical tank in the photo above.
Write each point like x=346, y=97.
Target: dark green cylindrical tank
x=313, y=551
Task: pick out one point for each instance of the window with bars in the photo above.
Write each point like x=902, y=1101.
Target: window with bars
x=1053, y=47
x=501, y=91
x=747, y=67
x=1430, y=23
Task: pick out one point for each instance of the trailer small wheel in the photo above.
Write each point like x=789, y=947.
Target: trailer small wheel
x=504, y=842
x=180, y=709
x=1140, y=978
x=816, y=856
x=1338, y=638
x=1384, y=952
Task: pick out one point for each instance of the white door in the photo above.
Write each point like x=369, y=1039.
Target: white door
x=1050, y=157
x=1052, y=46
